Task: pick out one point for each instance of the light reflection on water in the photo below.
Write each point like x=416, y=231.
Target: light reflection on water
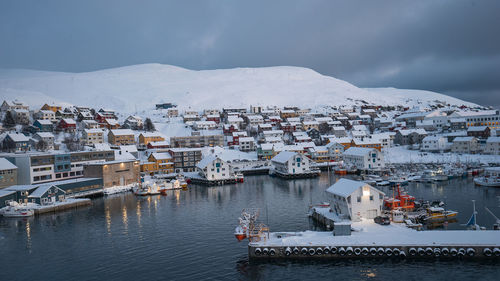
x=188, y=235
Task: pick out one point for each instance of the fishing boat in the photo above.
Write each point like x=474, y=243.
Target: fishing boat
x=16, y=210
x=239, y=177
x=400, y=201
x=182, y=181
x=433, y=175
x=439, y=214
x=491, y=177
x=141, y=190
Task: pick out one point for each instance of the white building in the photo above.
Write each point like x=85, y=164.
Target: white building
x=46, y=137
x=291, y=163
x=492, y=146
x=247, y=143
x=46, y=115
x=213, y=168
x=355, y=199
x=363, y=158
x=468, y=145
x=433, y=143
x=205, y=125
x=335, y=150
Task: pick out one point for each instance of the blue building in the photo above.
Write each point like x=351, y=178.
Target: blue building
x=44, y=125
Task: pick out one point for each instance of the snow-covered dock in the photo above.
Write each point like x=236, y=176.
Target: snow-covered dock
x=62, y=205
x=370, y=240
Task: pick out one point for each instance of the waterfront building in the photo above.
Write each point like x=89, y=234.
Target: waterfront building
x=355, y=199
x=185, y=159
x=434, y=143
x=291, y=163
x=468, y=145
x=114, y=173
x=39, y=167
x=492, y=146
x=212, y=168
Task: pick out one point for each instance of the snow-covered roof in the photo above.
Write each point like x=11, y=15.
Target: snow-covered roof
x=345, y=187
x=16, y=137
x=44, y=121
x=358, y=151
x=432, y=138
x=273, y=132
x=45, y=134
x=6, y=165
x=283, y=156
x=159, y=143
x=476, y=129
x=463, y=139
x=493, y=139
x=151, y=134
x=93, y=131
x=42, y=189
x=206, y=161
x=69, y=121
x=473, y=113
x=162, y=155
x=122, y=132
x=247, y=139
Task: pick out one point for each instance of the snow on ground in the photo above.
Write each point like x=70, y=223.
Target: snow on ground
x=371, y=234
x=173, y=128
x=139, y=87
x=400, y=154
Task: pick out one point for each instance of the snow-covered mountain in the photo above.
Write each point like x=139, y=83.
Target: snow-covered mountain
x=139, y=87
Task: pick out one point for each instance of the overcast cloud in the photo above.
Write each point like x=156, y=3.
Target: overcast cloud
x=449, y=46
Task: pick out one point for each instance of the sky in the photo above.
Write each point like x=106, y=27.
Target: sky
x=447, y=46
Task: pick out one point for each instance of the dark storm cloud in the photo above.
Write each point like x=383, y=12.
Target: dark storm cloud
x=448, y=46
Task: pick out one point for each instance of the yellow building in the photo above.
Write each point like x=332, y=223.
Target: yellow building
x=146, y=138
x=159, y=162
x=121, y=137
x=51, y=107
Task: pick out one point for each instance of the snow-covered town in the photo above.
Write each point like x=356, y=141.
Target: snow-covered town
x=82, y=151
x=249, y=140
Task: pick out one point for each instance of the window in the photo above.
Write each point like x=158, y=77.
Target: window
x=359, y=199
x=371, y=197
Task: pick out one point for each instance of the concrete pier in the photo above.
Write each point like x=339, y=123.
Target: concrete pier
x=61, y=206
x=370, y=240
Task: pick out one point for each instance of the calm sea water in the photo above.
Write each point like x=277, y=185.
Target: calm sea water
x=188, y=235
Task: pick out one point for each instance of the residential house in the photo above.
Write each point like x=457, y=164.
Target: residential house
x=67, y=125
x=434, y=143
x=469, y=145
x=15, y=142
x=363, y=158
x=6, y=106
x=195, y=141
x=92, y=136
x=52, y=107
x=480, y=132
x=47, y=138
x=134, y=122
x=8, y=173
x=204, y=125
x=409, y=136
x=162, y=162
x=21, y=116
x=46, y=115
x=335, y=150
x=147, y=137
x=121, y=137
x=492, y=146
x=247, y=144
x=44, y=125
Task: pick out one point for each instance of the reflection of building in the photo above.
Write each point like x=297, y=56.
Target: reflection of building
x=114, y=173
x=355, y=199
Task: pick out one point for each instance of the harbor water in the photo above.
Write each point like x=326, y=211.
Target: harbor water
x=188, y=235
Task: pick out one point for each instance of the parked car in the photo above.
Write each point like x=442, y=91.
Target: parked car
x=382, y=220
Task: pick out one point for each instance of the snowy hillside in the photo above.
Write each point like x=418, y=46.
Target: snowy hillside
x=141, y=86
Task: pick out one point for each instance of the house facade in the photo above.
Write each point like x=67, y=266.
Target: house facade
x=363, y=158
x=291, y=163
x=355, y=199
x=213, y=168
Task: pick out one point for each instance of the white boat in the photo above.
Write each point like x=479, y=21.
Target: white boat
x=16, y=210
x=491, y=177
